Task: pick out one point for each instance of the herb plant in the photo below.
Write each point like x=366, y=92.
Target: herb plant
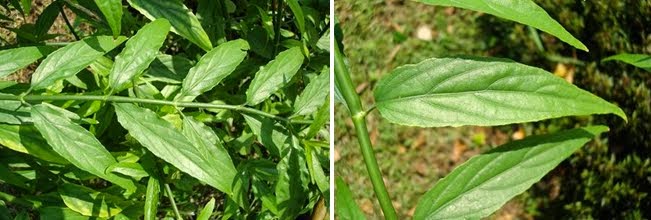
x=479, y=91
x=157, y=111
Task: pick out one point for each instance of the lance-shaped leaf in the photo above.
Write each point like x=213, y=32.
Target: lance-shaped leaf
x=68, y=60
x=271, y=134
x=521, y=11
x=639, y=60
x=183, y=21
x=480, y=91
x=212, y=68
x=76, y=144
x=207, y=210
x=89, y=202
x=14, y=59
x=485, y=182
x=213, y=152
x=166, y=142
x=293, y=177
x=26, y=139
x=151, y=198
x=112, y=10
x=138, y=53
x=298, y=14
x=314, y=94
x=13, y=112
x=274, y=75
x=345, y=206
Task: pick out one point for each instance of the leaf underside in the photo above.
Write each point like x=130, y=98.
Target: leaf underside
x=484, y=183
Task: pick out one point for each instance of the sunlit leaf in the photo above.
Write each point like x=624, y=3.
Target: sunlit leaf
x=639, y=60
x=89, y=202
x=207, y=210
x=274, y=75
x=26, y=139
x=15, y=59
x=66, y=61
x=521, y=11
x=345, y=206
x=112, y=10
x=293, y=177
x=152, y=196
x=314, y=94
x=484, y=183
x=480, y=91
x=76, y=144
x=212, y=68
x=139, y=51
x=183, y=21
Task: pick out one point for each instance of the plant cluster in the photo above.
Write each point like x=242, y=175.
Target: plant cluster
x=167, y=109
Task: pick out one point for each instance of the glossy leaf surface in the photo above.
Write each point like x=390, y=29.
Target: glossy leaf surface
x=112, y=11
x=76, y=144
x=212, y=68
x=639, y=60
x=66, y=62
x=485, y=182
x=521, y=11
x=182, y=19
x=139, y=51
x=314, y=94
x=15, y=59
x=274, y=75
x=166, y=142
x=480, y=91
x=26, y=139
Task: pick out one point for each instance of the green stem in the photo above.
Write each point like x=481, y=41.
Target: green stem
x=65, y=18
x=345, y=84
x=171, y=197
x=122, y=99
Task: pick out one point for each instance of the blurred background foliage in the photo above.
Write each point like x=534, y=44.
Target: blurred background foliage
x=609, y=178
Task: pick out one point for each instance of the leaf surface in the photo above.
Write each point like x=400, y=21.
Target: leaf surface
x=166, y=142
x=182, y=19
x=293, y=177
x=112, y=10
x=485, y=182
x=274, y=75
x=521, y=11
x=207, y=210
x=639, y=60
x=76, y=144
x=139, y=51
x=89, y=202
x=345, y=206
x=15, y=59
x=26, y=139
x=314, y=94
x=67, y=61
x=480, y=91
x=152, y=196
x=212, y=68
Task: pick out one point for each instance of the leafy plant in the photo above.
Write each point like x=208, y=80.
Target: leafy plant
x=158, y=110
x=460, y=91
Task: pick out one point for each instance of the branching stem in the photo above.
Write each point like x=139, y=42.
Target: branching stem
x=122, y=99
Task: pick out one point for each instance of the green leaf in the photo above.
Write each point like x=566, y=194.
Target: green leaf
x=169, y=69
x=183, y=21
x=639, y=60
x=53, y=212
x=293, y=177
x=112, y=10
x=76, y=144
x=46, y=19
x=274, y=75
x=316, y=171
x=10, y=177
x=151, y=198
x=321, y=118
x=14, y=112
x=212, y=68
x=26, y=139
x=134, y=170
x=480, y=91
x=314, y=94
x=345, y=206
x=166, y=142
x=213, y=152
x=207, y=210
x=67, y=61
x=298, y=14
x=15, y=59
x=138, y=53
x=89, y=202
x=271, y=134
x=485, y=182
x=521, y=11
